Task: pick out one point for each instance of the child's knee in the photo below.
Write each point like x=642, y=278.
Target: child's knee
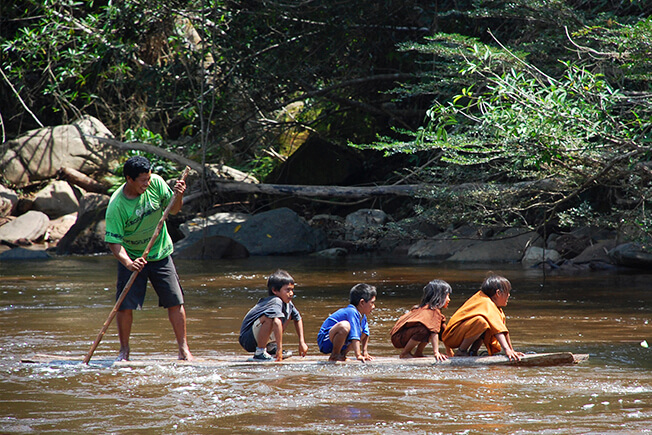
x=341, y=327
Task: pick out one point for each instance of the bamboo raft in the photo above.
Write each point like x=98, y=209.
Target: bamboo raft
x=528, y=360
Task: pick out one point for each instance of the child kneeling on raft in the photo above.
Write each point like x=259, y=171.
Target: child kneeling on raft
x=347, y=327
x=263, y=326
x=481, y=320
x=423, y=323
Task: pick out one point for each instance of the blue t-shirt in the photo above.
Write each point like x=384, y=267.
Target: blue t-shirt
x=353, y=316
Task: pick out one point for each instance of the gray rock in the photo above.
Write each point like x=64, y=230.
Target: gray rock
x=8, y=201
x=40, y=153
x=632, y=254
x=199, y=223
x=279, y=231
x=465, y=245
x=60, y=226
x=507, y=247
x=56, y=199
x=360, y=222
x=24, y=254
x=535, y=255
x=30, y=226
x=212, y=248
x=439, y=248
x=596, y=252
x=331, y=253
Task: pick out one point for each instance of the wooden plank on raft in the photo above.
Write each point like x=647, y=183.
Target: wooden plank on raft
x=529, y=360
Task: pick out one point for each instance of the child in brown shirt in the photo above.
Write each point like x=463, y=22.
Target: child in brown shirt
x=423, y=323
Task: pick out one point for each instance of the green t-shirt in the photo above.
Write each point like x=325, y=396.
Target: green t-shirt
x=132, y=222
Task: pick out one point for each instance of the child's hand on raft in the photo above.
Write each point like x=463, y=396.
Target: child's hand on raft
x=440, y=357
x=513, y=355
x=303, y=349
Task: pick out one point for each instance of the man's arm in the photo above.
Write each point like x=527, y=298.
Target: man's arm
x=179, y=189
x=120, y=253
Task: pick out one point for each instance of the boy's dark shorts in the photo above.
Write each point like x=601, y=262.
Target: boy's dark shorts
x=418, y=332
x=165, y=281
x=248, y=341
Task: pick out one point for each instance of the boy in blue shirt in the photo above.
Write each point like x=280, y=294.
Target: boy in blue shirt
x=347, y=327
x=262, y=328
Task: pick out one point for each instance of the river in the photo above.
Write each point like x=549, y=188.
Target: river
x=58, y=307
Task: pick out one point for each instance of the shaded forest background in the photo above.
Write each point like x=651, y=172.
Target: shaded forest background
x=534, y=113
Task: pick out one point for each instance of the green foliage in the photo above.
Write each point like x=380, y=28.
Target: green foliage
x=160, y=166
x=580, y=122
x=260, y=167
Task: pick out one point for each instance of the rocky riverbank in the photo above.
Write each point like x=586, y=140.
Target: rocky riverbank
x=64, y=215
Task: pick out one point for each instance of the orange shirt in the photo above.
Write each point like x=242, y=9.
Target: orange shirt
x=479, y=314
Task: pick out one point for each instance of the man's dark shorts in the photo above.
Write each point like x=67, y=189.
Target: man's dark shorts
x=165, y=281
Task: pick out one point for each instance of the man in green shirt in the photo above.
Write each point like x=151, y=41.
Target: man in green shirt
x=131, y=219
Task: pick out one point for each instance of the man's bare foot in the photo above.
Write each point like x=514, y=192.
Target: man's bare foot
x=123, y=355
x=406, y=355
x=185, y=355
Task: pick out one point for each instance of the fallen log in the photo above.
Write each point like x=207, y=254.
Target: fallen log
x=248, y=185
x=320, y=191
x=82, y=180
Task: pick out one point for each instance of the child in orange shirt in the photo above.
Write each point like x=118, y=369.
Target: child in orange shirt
x=481, y=320
x=423, y=323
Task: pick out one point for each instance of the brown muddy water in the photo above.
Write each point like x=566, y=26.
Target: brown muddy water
x=59, y=306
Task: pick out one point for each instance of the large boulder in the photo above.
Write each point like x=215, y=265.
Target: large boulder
x=470, y=244
x=632, y=254
x=56, y=199
x=31, y=226
x=596, y=252
x=279, y=231
x=506, y=247
x=199, y=223
x=535, y=255
x=444, y=245
x=39, y=154
x=212, y=248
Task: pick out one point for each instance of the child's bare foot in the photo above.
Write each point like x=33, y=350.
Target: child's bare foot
x=406, y=355
x=419, y=355
x=337, y=357
x=460, y=352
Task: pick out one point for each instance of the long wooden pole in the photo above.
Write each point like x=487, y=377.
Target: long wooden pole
x=134, y=274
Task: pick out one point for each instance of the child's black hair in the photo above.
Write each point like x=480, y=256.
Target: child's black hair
x=136, y=165
x=361, y=291
x=494, y=283
x=434, y=294
x=277, y=280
